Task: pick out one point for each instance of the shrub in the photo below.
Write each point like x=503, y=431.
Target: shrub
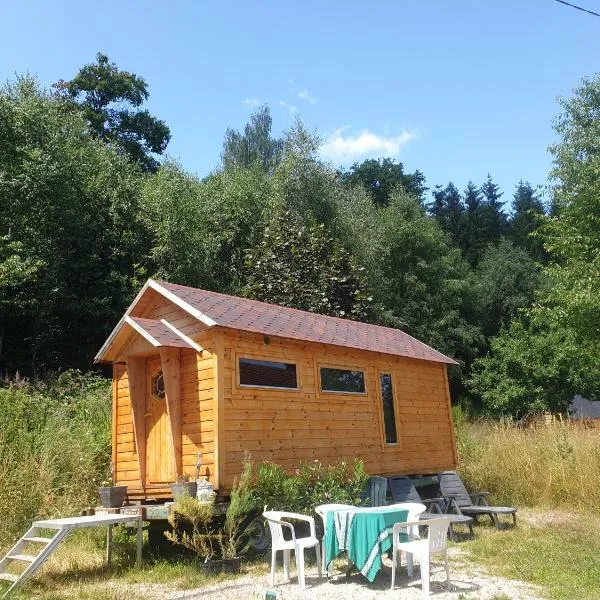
x=54, y=447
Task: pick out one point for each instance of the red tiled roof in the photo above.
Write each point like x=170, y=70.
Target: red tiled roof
x=279, y=321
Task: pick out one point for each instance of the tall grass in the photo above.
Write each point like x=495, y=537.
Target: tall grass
x=54, y=448
x=547, y=466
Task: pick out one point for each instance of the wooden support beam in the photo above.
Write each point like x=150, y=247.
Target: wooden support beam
x=170, y=361
x=136, y=373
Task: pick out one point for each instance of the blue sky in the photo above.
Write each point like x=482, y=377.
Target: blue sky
x=455, y=89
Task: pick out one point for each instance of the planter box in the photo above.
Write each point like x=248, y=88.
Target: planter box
x=188, y=488
x=113, y=496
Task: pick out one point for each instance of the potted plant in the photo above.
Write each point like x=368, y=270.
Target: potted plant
x=184, y=487
x=218, y=549
x=112, y=496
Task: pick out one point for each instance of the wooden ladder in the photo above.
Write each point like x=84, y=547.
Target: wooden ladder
x=32, y=562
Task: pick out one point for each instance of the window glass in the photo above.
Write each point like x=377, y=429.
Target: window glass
x=266, y=373
x=389, y=416
x=342, y=380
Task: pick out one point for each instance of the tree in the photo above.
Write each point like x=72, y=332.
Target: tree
x=527, y=210
x=504, y=282
x=313, y=272
x=449, y=211
x=73, y=247
x=105, y=95
x=492, y=218
x=380, y=177
x=255, y=145
x=553, y=352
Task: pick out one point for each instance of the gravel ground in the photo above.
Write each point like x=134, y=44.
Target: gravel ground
x=467, y=583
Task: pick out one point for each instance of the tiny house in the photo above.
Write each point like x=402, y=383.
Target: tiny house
x=201, y=373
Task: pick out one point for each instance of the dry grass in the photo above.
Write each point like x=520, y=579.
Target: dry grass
x=550, y=466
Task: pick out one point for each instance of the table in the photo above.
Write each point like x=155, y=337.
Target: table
x=71, y=523
x=365, y=533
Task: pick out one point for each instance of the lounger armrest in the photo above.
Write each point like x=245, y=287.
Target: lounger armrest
x=453, y=504
x=479, y=498
x=435, y=504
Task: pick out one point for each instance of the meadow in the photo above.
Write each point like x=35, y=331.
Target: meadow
x=55, y=451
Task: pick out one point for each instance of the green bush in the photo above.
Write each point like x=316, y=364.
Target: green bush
x=312, y=484
x=54, y=447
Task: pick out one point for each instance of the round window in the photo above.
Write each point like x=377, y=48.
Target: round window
x=158, y=386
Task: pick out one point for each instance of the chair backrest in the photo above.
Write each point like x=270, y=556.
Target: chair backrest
x=451, y=485
x=375, y=491
x=275, y=528
x=402, y=489
x=415, y=509
x=437, y=533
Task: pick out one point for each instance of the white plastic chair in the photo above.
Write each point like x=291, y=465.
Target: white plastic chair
x=323, y=510
x=423, y=548
x=298, y=545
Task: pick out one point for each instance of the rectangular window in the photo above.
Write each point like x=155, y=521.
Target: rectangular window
x=266, y=373
x=389, y=416
x=342, y=380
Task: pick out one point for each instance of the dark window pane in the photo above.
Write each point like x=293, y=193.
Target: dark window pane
x=389, y=417
x=267, y=374
x=342, y=380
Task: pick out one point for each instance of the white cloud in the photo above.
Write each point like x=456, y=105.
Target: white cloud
x=308, y=96
x=342, y=147
x=292, y=108
x=252, y=102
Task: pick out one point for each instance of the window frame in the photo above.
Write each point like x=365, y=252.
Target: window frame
x=273, y=359
x=346, y=367
x=384, y=443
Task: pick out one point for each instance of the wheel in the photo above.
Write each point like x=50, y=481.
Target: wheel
x=259, y=535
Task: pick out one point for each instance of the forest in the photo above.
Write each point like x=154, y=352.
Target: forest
x=507, y=282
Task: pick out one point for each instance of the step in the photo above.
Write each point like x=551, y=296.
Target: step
x=9, y=577
x=23, y=557
x=39, y=540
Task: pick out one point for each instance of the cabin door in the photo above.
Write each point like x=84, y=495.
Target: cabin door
x=160, y=460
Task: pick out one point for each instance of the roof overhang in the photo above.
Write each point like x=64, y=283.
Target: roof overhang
x=158, y=333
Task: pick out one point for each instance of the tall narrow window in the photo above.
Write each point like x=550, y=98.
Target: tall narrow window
x=389, y=416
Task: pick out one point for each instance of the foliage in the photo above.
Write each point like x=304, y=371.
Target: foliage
x=54, y=447
x=504, y=282
x=104, y=92
x=199, y=515
x=541, y=363
x=255, y=145
x=314, y=273
x=71, y=238
x=312, y=484
x=527, y=212
x=380, y=177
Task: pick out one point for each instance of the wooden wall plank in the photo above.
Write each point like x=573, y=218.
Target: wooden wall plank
x=170, y=363
x=136, y=371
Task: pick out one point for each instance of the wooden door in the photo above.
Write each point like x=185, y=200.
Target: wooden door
x=160, y=458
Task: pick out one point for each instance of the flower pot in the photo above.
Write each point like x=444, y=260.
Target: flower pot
x=218, y=566
x=187, y=488
x=113, y=496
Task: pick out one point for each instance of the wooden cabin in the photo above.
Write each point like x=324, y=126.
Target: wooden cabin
x=201, y=372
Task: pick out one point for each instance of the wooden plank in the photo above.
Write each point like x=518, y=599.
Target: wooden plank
x=170, y=365
x=136, y=371
x=218, y=415
x=115, y=441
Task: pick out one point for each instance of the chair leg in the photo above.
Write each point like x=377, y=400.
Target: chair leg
x=447, y=568
x=514, y=519
x=318, y=553
x=495, y=521
x=425, y=571
x=300, y=567
x=451, y=533
x=394, y=560
x=409, y=563
x=471, y=531
x=286, y=565
x=273, y=561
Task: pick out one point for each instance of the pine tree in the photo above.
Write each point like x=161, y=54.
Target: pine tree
x=527, y=209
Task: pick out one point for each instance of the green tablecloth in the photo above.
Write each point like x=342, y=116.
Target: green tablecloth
x=365, y=534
